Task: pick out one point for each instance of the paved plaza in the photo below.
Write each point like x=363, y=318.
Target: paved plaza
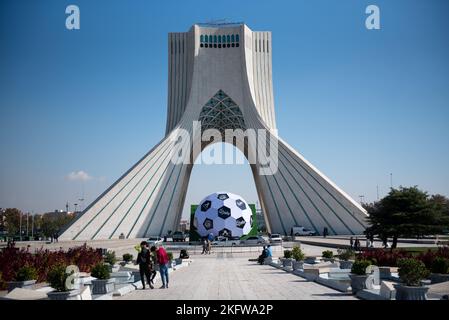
x=228, y=277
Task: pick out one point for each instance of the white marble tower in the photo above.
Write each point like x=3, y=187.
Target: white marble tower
x=220, y=74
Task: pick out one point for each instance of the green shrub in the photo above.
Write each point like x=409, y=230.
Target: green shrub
x=57, y=277
x=287, y=254
x=297, y=254
x=26, y=273
x=359, y=267
x=127, y=257
x=110, y=258
x=440, y=265
x=327, y=254
x=100, y=271
x=346, y=254
x=412, y=271
x=170, y=255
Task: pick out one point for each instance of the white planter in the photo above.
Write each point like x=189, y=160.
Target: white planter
x=346, y=264
x=310, y=260
x=358, y=282
x=287, y=262
x=438, y=278
x=410, y=293
x=65, y=295
x=114, y=268
x=20, y=284
x=297, y=265
x=103, y=286
x=384, y=272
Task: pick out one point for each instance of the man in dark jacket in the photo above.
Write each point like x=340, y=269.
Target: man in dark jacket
x=145, y=264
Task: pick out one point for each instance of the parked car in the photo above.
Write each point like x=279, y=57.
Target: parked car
x=275, y=238
x=179, y=236
x=154, y=240
x=253, y=240
x=301, y=231
x=223, y=241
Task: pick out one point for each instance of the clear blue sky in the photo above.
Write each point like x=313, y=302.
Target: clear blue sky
x=358, y=104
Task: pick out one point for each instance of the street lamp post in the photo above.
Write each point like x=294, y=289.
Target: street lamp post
x=32, y=226
x=28, y=214
x=361, y=198
x=20, y=226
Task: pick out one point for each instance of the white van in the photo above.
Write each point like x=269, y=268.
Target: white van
x=301, y=231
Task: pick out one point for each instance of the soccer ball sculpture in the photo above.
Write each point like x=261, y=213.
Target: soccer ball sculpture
x=223, y=214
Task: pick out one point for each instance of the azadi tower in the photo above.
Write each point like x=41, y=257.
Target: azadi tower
x=221, y=75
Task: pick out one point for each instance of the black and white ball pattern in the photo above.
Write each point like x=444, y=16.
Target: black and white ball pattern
x=223, y=214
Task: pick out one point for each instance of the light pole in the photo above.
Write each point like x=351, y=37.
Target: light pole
x=361, y=198
x=391, y=181
x=75, y=204
x=377, y=189
x=20, y=226
x=32, y=226
x=28, y=214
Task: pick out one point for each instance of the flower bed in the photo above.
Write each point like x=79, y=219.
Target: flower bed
x=429, y=256
x=389, y=258
x=12, y=259
x=381, y=257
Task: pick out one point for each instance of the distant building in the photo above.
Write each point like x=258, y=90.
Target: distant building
x=184, y=225
x=260, y=220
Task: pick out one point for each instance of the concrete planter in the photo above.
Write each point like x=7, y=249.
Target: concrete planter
x=358, y=282
x=296, y=265
x=287, y=263
x=410, y=293
x=20, y=284
x=438, y=277
x=103, y=286
x=346, y=264
x=114, y=268
x=64, y=295
x=310, y=260
x=384, y=272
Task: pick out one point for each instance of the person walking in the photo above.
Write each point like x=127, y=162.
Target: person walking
x=351, y=242
x=145, y=264
x=325, y=232
x=162, y=260
x=356, y=247
x=209, y=246
x=204, y=246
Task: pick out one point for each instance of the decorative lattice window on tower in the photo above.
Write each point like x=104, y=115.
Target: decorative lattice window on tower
x=221, y=113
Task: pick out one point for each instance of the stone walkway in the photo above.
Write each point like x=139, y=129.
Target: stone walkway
x=225, y=277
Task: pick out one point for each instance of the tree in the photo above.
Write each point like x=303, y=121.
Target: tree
x=53, y=222
x=406, y=212
x=12, y=220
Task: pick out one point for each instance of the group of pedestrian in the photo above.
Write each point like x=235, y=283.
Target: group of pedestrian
x=149, y=260
x=266, y=252
x=356, y=245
